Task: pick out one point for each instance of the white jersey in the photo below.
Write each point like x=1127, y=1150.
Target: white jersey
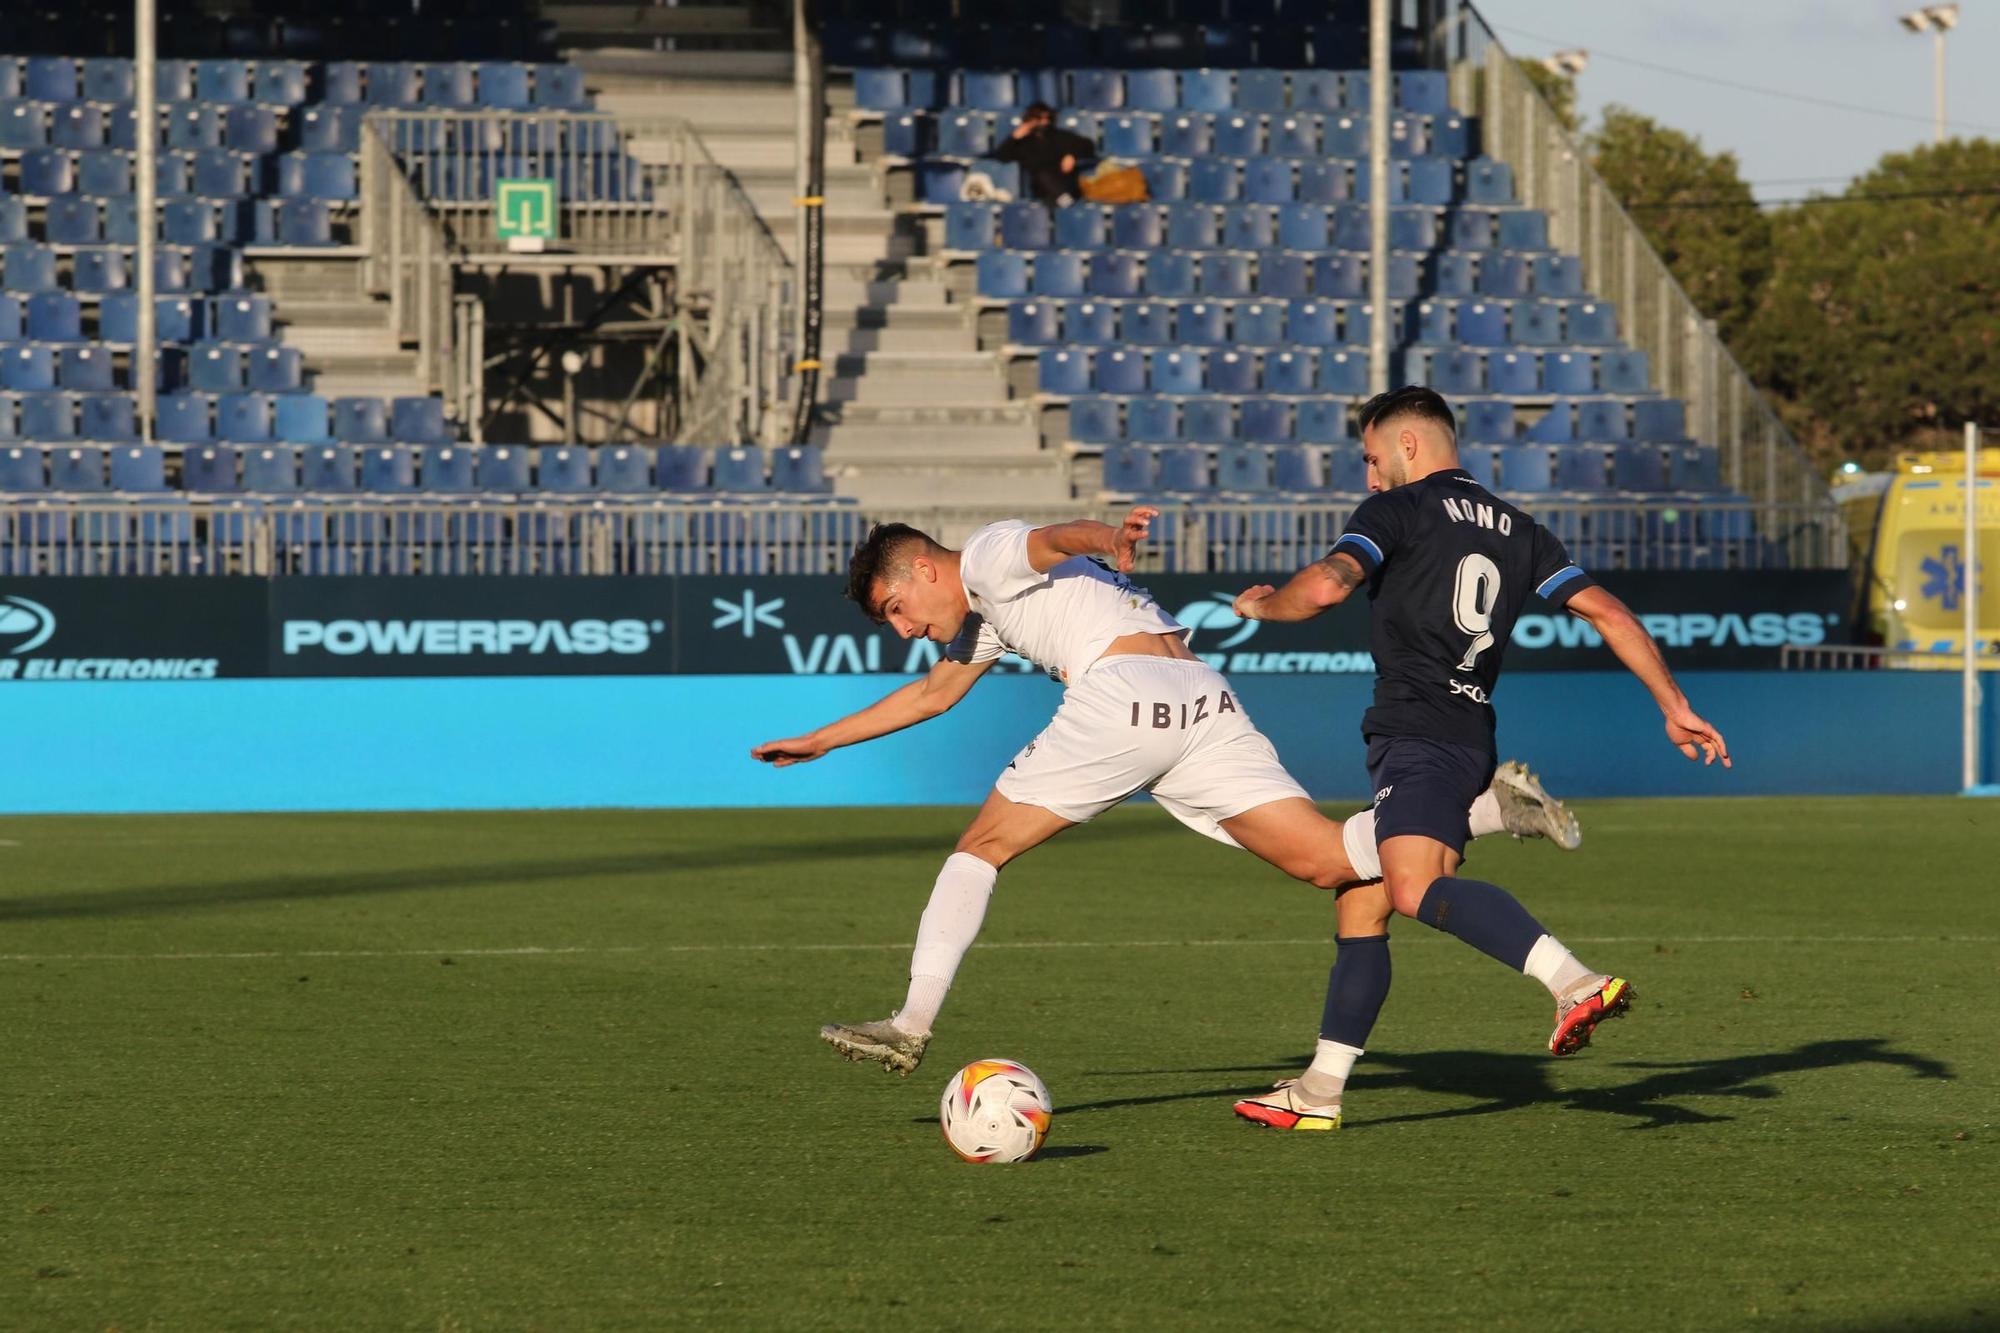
x=1062, y=620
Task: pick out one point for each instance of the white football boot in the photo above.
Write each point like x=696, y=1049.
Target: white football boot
x=881, y=1041
x=1528, y=811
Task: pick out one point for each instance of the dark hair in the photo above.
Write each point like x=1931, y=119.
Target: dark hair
x=1038, y=111
x=883, y=554
x=1412, y=400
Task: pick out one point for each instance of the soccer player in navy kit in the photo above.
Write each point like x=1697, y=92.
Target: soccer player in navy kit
x=1448, y=567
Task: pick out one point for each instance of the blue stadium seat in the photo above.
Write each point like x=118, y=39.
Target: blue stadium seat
x=1239, y=136
x=360, y=420
x=415, y=420
x=1058, y=273
x=329, y=128
x=1291, y=372
x=108, y=79
x=1151, y=90
x=740, y=469
x=302, y=418
x=1094, y=420
x=1116, y=371
x=50, y=78
x=1451, y=137
x=1316, y=89
x=1558, y=275
x=1639, y=467
x=78, y=468
x=121, y=221
x=1061, y=370
x=1209, y=419
x=1267, y=421
x=1591, y=323
x=1243, y=469
x=1488, y=422
x=244, y=418
x=1096, y=89
x=1127, y=136
x=1557, y=425
x=327, y=176
x=1569, y=373
x=1258, y=90
x=1513, y=373
x=905, y=134
x=1184, y=470
x=504, y=469
x=28, y=369
x=1250, y=227
x=1295, y=135
x=1470, y=229
x=1341, y=277
x=13, y=219
x=1171, y=273
x=1146, y=323
x=222, y=81
x=970, y=225
x=1176, y=370
x=1190, y=136
x=77, y=127
x=217, y=173
x=1457, y=373
x=329, y=468
x=965, y=134
x=999, y=273
x=250, y=129
x=1422, y=90
x=1697, y=467
x=1525, y=468
x=1025, y=226
x=1202, y=323
x=1259, y=323
x=72, y=219
x=208, y=469
x=560, y=86
x=23, y=470
x=1479, y=324
x=54, y=317
x=193, y=127
x=1033, y=323
x=799, y=469
x=1207, y=90
x=875, y=89
x=1536, y=324
x=1082, y=227
x=141, y=470
x=1488, y=181
x=183, y=418
x=1233, y=373
x=448, y=86
x=1224, y=275
x=1523, y=229
x=215, y=368
x=1347, y=471
x=300, y=221
x=1304, y=226
x=989, y=90
x=47, y=418
x=1504, y=275
x=1659, y=420
x=273, y=470
x=281, y=82
x=448, y=470
x=23, y=125
x=1434, y=324
x=1211, y=180
x=1601, y=420
x=278, y=370
x=1128, y=469
x=46, y=172
x=1477, y=459
x=1625, y=371
x=1155, y=419
x=392, y=84
x=1281, y=274
x=10, y=318
x=1453, y=274
x=389, y=469
x=1269, y=180
x=1296, y=470
x=1138, y=227
x=107, y=417
x=1311, y=324
x=1113, y=275
x=188, y=222
x=1582, y=467
x=85, y=369
x=1193, y=226
x=1345, y=373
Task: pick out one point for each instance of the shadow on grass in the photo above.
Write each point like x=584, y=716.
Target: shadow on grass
x=1511, y=1082
x=1070, y=1150
x=182, y=895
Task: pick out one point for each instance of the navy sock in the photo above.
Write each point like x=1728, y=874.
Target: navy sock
x=1484, y=915
x=1355, y=989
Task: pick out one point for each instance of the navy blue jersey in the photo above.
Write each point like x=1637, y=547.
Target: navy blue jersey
x=1449, y=567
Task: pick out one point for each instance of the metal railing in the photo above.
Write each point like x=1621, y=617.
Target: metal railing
x=1866, y=657
x=669, y=535
x=629, y=191
x=1689, y=361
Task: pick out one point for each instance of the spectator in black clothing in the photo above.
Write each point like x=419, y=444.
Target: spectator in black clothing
x=1049, y=157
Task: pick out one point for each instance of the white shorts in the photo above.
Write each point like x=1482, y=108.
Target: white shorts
x=1156, y=724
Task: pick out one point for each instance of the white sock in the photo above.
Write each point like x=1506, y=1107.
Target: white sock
x=1325, y=1079
x=1485, y=815
x=949, y=926
x=1357, y=835
x=1554, y=966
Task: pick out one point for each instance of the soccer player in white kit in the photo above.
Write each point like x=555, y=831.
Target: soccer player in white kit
x=1141, y=713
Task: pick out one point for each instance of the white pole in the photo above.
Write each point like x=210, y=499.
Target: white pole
x=1378, y=195
x=146, y=120
x=1969, y=602
x=1938, y=91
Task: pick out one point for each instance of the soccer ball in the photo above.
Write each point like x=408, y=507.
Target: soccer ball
x=995, y=1111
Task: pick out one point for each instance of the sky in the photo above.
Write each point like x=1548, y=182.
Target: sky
x=1851, y=52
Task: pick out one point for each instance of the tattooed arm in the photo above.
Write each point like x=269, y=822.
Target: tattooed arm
x=1325, y=582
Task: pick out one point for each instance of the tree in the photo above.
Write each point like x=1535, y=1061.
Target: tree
x=1880, y=321
x=1693, y=207
x=1558, y=90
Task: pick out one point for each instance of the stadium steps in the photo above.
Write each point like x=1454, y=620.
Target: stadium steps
x=342, y=334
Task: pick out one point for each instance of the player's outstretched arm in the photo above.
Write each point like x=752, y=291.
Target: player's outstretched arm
x=1050, y=546
x=919, y=701
x=1312, y=590
x=1627, y=638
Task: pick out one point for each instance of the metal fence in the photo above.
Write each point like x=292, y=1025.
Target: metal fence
x=1760, y=457
x=649, y=535
x=629, y=192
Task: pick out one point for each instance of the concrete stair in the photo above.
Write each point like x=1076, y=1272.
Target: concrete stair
x=342, y=333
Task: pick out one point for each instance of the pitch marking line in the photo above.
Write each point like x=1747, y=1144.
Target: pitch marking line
x=533, y=951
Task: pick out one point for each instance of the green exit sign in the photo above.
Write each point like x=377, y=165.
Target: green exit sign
x=524, y=213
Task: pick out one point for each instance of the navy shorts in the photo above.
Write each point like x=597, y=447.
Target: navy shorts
x=1426, y=787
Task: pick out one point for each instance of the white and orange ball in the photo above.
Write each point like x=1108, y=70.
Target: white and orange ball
x=995, y=1111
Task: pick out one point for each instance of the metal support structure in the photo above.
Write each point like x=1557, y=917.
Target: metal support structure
x=1969, y=599
x=1379, y=89
x=146, y=115
x=809, y=92
x=1938, y=93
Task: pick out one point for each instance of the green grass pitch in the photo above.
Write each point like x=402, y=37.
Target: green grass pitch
x=558, y=1071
